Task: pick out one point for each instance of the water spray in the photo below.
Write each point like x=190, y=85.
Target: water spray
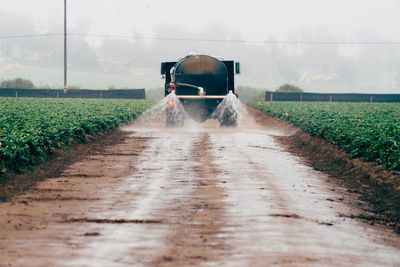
x=227, y=111
x=173, y=109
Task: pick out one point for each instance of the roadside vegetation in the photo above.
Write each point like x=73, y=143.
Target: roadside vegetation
x=370, y=131
x=31, y=128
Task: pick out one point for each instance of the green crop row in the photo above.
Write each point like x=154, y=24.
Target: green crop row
x=371, y=131
x=31, y=128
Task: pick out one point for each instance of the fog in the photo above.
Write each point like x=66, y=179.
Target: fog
x=318, y=45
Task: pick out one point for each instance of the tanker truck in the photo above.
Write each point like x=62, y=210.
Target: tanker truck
x=201, y=83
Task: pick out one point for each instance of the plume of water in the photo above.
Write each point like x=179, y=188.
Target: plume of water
x=171, y=105
x=227, y=111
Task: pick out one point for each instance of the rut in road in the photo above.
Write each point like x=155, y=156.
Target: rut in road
x=198, y=195
x=201, y=213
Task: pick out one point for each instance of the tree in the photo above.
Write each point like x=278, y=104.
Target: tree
x=289, y=88
x=17, y=83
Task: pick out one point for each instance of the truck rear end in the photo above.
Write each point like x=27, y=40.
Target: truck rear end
x=200, y=82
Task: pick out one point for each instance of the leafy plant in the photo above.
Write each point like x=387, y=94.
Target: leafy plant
x=31, y=128
x=371, y=131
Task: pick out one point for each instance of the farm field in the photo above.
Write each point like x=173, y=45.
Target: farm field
x=158, y=196
x=30, y=129
x=370, y=131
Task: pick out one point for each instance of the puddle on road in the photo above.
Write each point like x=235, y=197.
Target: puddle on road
x=294, y=216
x=116, y=221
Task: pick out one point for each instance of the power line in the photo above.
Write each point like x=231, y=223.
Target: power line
x=30, y=35
x=207, y=40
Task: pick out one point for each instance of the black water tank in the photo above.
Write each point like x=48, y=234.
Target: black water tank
x=204, y=71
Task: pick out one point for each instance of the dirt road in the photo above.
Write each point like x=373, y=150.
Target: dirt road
x=199, y=195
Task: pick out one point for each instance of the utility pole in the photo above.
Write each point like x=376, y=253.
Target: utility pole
x=65, y=46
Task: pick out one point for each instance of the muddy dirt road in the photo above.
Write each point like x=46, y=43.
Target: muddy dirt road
x=199, y=195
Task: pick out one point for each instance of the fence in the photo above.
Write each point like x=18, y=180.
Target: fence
x=320, y=97
x=79, y=93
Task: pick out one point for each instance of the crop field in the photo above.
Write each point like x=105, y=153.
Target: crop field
x=30, y=128
x=371, y=131
x=197, y=194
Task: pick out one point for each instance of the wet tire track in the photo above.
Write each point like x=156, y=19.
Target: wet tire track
x=293, y=220
x=196, y=238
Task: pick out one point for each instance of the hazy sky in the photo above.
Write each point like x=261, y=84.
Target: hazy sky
x=250, y=20
x=247, y=20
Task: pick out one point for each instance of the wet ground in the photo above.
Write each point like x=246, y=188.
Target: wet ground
x=199, y=195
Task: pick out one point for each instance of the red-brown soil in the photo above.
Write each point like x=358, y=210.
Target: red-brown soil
x=12, y=183
x=374, y=183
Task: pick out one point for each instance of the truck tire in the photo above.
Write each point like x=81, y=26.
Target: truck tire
x=228, y=118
